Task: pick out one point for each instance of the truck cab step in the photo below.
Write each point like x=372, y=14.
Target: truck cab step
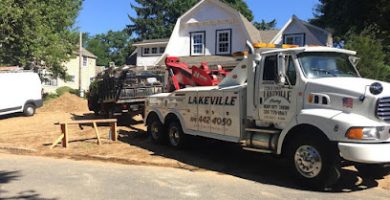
x=267, y=131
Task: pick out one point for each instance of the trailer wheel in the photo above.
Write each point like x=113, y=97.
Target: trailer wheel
x=176, y=136
x=373, y=170
x=312, y=163
x=155, y=130
x=29, y=110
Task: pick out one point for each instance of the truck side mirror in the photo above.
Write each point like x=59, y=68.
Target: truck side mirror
x=281, y=69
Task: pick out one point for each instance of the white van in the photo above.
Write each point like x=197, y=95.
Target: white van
x=20, y=92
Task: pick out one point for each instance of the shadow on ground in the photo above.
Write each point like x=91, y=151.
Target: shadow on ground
x=228, y=158
x=9, y=176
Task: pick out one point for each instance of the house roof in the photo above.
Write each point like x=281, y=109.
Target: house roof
x=302, y=24
x=86, y=53
x=268, y=35
x=154, y=41
x=254, y=34
x=225, y=61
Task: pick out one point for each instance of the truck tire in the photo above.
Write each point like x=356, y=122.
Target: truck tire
x=312, y=162
x=376, y=171
x=29, y=110
x=156, y=131
x=177, y=138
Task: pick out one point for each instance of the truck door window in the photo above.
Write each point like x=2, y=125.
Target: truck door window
x=270, y=68
x=291, y=71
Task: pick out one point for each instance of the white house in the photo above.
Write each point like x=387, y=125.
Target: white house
x=302, y=33
x=50, y=84
x=214, y=32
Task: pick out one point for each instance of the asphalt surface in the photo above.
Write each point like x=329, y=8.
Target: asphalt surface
x=23, y=177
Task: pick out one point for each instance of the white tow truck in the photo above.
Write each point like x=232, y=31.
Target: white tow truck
x=307, y=104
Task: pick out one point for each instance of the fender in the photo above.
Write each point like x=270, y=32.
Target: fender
x=154, y=110
x=178, y=115
x=319, y=118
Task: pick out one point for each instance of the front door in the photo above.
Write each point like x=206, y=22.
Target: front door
x=277, y=101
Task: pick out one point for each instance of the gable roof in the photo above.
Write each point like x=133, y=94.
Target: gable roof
x=302, y=25
x=85, y=53
x=153, y=41
x=252, y=33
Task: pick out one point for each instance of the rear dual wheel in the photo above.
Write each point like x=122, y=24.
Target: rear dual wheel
x=176, y=136
x=156, y=131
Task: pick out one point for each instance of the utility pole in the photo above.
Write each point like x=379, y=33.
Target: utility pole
x=81, y=65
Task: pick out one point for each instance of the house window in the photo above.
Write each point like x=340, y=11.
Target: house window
x=154, y=50
x=224, y=42
x=296, y=39
x=146, y=51
x=198, y=43
x=162, y=50
x=85, y=61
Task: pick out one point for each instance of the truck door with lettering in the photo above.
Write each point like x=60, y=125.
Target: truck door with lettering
x=277, y=96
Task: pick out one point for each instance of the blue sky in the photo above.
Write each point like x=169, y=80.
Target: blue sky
x=100, y=16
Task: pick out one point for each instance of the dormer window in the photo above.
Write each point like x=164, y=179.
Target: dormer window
x=198, y=41
x=146, y=51
x=224, y=42
x=296, y=39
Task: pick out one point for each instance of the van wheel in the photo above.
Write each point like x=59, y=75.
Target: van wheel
x=29, y=110
x=176, y=136
x=156, y=131
x=312, y=162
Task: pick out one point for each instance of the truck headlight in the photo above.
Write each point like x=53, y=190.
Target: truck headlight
x=360, y=133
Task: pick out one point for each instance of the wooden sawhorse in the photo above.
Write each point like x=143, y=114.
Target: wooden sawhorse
x=64, y=137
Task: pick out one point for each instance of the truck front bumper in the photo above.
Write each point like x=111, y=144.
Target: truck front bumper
x=365, y=153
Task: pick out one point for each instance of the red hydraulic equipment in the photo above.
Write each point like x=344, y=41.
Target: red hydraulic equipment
x=181, y=75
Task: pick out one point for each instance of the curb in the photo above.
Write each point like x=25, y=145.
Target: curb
x=18, y=149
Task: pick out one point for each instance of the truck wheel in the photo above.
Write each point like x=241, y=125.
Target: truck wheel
x=29, y=110
x=175, y=134
x=312, y=162
x=373, y=170
x=156, y=131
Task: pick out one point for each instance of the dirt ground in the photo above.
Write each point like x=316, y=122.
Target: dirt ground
x=34, y=135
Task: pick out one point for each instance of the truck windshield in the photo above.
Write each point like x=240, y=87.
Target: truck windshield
x=319, y=65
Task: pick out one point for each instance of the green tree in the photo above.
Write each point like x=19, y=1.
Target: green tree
x=113, y=46
x=372, y=56
x=156, y=19
x=263, y=25
x=346, y=16
x=37, y=32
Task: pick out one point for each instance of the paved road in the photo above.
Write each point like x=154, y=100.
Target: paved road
x=24, y=177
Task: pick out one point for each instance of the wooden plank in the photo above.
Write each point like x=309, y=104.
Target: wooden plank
x=97, y=133
x=97, y=121
x=65, y=139
x=114, y=133
x=58, y=140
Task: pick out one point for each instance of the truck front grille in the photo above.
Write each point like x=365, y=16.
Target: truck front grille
x=383, y=109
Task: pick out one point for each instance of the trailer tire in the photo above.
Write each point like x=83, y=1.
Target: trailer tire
x=312, y=163
x=177, y=138
x=376, y=171
x=156, y=131
x=29, y=110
